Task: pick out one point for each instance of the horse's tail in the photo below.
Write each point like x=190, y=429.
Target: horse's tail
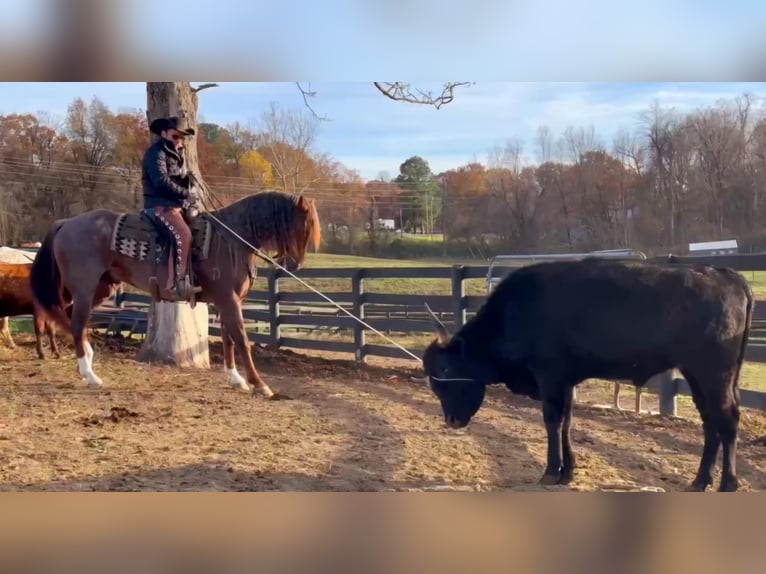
x=46, y=281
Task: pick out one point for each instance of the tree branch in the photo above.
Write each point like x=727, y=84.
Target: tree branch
x=203, y=87
x=310, y=94
x=402, y=92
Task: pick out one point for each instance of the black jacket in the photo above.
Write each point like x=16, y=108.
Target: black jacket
x=164, y=177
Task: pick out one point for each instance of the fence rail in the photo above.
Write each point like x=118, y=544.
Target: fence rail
x=278, y=317
x=272, y=313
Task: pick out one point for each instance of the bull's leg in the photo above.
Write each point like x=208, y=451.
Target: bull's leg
x=726, y=415
x=568, y=458
x=235, y=380
x=727, y=429
x=704, y=477
x=231, y=317
x=639, y=391
x=555, y=400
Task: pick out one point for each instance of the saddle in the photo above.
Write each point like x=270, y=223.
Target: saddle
x=141, y=236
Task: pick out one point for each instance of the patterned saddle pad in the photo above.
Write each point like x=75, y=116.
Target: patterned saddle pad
x=137, y=237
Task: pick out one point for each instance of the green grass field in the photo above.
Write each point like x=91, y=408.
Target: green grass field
x=409, y=286
x=757, y=279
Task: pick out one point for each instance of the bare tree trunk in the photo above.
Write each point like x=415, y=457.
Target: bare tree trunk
x=176, y=333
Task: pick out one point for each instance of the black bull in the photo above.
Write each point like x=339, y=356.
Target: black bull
x=548, y=327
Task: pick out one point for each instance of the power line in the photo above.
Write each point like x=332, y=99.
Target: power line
x=326, y=200
x=27, y=174
x=231, y=181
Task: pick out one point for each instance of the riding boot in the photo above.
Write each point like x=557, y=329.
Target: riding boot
x=182, y=241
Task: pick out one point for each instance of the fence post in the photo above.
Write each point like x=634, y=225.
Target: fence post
x=668, y=391
x=275, y=331
x=458, y=292
x=360, y=337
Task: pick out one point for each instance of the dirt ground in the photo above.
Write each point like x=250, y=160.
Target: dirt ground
x=349, y=427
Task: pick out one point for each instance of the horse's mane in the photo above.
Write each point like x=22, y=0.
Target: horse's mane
x=270, y=218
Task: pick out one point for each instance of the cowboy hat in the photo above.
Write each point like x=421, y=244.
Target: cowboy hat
x=172, y=123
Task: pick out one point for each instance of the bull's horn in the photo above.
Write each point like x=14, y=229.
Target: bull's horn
x=441, y=330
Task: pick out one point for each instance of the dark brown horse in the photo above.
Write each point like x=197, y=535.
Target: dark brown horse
x=85, y=257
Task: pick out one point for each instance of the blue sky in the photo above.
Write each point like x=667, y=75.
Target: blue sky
x=370, y=133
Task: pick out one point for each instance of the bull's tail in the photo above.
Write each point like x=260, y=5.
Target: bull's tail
x=46, y=281
x=745, y=336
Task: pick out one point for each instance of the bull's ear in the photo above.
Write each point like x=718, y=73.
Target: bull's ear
x=442, y=334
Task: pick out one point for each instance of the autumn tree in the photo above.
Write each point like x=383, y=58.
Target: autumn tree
x=131, y=138
x=89, y=129
x=256, y=170
x=212, y=143
x=465, y=206
x=285, y=138
x=514, y=191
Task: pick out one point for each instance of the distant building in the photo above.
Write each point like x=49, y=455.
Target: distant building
x=389, y=224
x=728, y=247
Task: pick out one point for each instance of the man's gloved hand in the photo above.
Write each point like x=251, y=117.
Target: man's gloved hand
x=194, y=194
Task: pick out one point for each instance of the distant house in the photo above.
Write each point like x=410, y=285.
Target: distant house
x=387, y=224
x=727, y=247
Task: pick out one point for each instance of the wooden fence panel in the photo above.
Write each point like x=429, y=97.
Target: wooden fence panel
x=405, y=313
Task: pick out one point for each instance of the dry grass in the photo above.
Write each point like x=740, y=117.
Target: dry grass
x=349, y=428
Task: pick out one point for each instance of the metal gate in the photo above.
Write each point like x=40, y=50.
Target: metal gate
x=493, y=280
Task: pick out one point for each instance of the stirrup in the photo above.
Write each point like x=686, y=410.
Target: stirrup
x=185, y=289
x=189, y=287
x=163, y=295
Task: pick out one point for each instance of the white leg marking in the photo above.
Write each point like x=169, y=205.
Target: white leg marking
x=89, y=353
x=236, y=381
x=94, y=381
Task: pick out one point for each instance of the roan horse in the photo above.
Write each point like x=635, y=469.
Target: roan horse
x=85, y=257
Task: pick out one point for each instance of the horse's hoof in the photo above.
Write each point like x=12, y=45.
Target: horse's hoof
x=95, y=382
x=263, y=391
x=696, y=487
x=237, y=381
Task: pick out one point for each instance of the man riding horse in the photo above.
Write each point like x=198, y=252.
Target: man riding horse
x=171, y=197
